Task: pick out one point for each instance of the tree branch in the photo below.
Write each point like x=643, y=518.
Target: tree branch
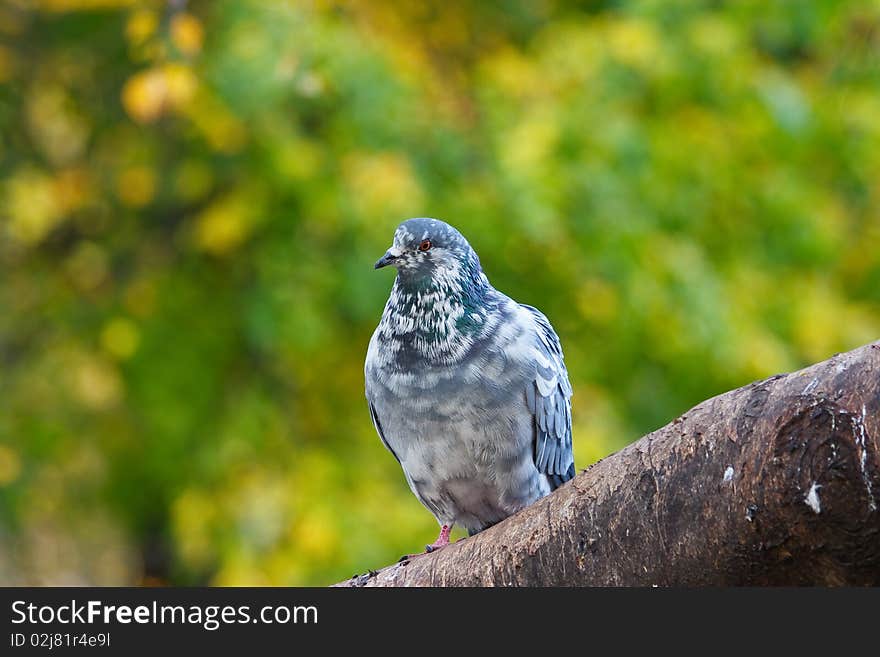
x=776, y=483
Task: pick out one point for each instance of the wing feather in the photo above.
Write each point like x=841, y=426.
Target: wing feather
x=548, y=397
x=375, y=415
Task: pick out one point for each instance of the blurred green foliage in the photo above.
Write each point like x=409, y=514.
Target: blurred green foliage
x=192, y=196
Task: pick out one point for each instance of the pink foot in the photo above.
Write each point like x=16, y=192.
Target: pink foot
x=442, y=539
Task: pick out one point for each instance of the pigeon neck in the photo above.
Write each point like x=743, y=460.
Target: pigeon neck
x=435, y=317
x=446, y=290
x=456, y=283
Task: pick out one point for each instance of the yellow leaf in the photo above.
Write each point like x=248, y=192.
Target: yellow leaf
x=141, y=26
x=180, y=84
x=226, y=224
x=32, y=205
x=96, y=384
x=144, y=95
x=187, y=33
x=150, y=93
x=120, y=338
x=634, y=42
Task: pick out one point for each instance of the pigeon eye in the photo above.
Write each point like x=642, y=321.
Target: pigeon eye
x=425, y=245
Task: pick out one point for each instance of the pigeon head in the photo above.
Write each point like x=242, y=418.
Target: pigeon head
x=426, y=248
x=438, y=300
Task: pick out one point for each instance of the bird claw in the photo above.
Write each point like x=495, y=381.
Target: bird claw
x=428, y=550
x=433, y=547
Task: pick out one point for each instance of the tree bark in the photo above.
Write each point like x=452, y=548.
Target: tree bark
x=776, y=483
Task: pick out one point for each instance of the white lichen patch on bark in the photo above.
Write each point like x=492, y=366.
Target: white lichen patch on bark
x=812, y=498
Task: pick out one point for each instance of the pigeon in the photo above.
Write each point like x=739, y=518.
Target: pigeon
x=466, y=387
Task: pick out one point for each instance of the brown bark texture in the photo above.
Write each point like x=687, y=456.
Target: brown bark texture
x=775, y=483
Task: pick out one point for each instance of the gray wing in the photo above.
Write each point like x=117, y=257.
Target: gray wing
x=549, y=399
x=378, y=425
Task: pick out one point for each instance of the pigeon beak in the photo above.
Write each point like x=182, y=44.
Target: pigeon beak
x=384, y=261
x=390, y=257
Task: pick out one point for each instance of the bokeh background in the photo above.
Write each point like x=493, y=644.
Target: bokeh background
x=192, y=196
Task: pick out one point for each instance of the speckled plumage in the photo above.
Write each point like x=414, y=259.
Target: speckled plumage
x=466, y=387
